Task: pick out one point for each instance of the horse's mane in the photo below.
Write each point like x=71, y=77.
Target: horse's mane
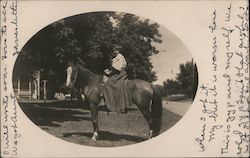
x=79, y=61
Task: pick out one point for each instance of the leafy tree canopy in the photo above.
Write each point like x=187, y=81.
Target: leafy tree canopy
x=91, y=38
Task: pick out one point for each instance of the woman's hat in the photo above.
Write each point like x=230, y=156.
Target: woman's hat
x=117, y=47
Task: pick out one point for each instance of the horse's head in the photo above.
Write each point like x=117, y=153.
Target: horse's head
x=78, y=76
x=71, y=78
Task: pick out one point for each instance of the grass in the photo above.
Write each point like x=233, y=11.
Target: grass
x=71, y=121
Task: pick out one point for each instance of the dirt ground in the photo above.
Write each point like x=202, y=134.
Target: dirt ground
x=71, y=121
x=178, y=107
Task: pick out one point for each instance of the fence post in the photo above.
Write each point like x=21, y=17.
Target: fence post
x=18, y=87
x=38, y=84
x=30, y=92
x=44, y=90
x=34, y=95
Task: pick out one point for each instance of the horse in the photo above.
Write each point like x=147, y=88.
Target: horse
x=144, y=95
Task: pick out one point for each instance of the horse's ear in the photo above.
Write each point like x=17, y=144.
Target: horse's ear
x=79, y=61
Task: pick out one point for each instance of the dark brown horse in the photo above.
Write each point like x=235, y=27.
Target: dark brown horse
x=144, y=95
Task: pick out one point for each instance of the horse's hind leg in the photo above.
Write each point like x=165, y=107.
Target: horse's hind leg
x=94, y=115
x=149, y=119
x=143, y=105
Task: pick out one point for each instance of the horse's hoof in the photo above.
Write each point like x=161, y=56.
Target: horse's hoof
x=150, y=134
x=95, y=136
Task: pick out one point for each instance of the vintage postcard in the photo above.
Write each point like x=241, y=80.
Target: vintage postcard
x=124, y=78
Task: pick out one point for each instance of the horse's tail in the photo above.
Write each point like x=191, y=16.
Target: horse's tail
x=156, y=110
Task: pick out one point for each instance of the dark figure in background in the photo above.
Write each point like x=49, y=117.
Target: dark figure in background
x=52, y=84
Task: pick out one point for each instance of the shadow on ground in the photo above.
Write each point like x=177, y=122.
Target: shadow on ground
x=71, y=121
x=105, y=135
x=51, y=114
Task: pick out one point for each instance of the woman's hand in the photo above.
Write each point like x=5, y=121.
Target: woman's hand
x=107, y=71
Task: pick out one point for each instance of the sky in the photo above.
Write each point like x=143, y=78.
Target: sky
x=173, y=52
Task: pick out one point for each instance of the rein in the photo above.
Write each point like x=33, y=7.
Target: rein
x=88, y=89
x=75, y=77
x=91, y=88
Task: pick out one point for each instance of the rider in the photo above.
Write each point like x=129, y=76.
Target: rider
x=114, y=90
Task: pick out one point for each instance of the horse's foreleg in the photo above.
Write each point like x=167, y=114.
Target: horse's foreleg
x=94, y=115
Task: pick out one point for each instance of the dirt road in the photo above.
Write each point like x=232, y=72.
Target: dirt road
x=177, y=107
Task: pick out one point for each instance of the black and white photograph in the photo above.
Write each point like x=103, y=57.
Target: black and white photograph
x=142, y=78
x=105, y=79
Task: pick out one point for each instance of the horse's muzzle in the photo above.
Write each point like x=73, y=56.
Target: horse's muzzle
x=66, y=89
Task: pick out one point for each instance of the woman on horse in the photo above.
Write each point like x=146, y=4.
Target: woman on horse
x=115, y=92
x=143, y=94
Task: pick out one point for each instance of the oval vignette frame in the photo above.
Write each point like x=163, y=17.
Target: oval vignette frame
x=48, y=115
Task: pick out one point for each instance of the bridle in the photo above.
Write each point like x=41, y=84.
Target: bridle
x=88, y=90
x=73, y=78
x=74, y=75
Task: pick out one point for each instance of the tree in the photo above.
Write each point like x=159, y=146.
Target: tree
x=136, y=37
x=186, y=81
x=91, y=37
x=188, y=78
x=185, y=77
x=172, y=87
